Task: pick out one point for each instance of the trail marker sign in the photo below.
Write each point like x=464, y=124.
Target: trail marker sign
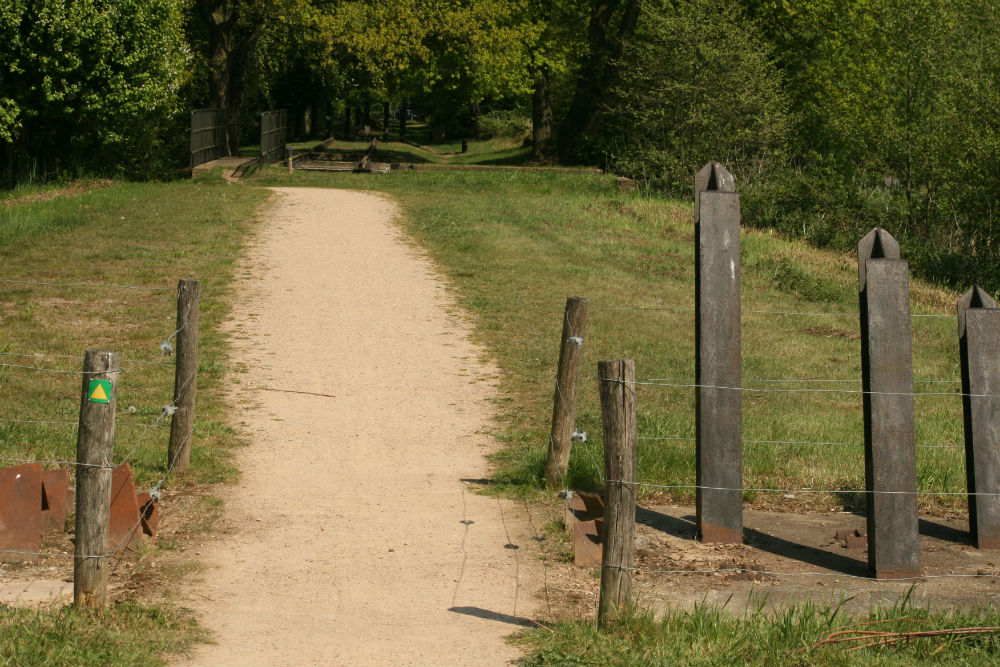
x=99, y=391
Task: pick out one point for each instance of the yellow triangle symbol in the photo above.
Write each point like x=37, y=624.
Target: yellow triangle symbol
x=99, y=394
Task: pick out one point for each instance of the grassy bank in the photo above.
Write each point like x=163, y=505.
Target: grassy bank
x=139, y=235
x=515, y=245
x=709, y=636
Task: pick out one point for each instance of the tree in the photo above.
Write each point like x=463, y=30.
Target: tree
x=451, y=55
x=698, y=84
x=611, y=27
x=233, y=29
x=88, y=84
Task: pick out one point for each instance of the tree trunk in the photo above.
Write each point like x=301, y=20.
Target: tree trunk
x=230, y=54
x=598, y=74
x=239, y=64
x=386, y=119
x=541, y=117
x=402, y=120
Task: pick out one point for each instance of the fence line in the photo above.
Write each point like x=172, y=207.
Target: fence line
x=673, y=309
x=744, y=570
x=47, y=355
x=43, y=369
x=56, y=462
x=802, y=380
x=824, y=491
x=801, y=391
x=796, y=442
x=101, y=285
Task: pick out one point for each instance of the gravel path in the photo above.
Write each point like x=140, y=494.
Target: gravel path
x=355, y=540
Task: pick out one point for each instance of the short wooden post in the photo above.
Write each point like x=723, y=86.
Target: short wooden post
x=718, y=398
x=887, y=380
x=185, y=375
x=564, y=404
x=618, y=414
x=94, y=449
x=979, y=346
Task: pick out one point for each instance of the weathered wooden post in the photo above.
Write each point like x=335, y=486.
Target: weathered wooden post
x=564, y=404
x=185, y=375
x=887, y=380
x=94, y=448
x=979, y=346
x=718, y=401
x=618, y=414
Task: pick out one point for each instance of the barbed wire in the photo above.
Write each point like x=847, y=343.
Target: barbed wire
x=838, y=575
x=792, y=491
x=44, y=369
x=100, y=285
x=693, y=385
x=56, y=462
x=794, y=442
x=791, y=313
x=801, y=380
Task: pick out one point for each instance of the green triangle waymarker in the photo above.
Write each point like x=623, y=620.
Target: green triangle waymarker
x=99, y=391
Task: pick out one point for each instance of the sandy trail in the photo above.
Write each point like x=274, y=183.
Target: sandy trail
x=355, y=540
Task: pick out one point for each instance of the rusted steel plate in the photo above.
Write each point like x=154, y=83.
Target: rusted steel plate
x=20, y=512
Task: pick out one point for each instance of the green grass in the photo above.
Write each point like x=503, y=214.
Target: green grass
x=125, y=634
x=147, y=235
x=132, y=234
x=517, y=244
x=710, y=636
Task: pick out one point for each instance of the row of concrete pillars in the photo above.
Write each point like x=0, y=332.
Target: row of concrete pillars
x=887, y=381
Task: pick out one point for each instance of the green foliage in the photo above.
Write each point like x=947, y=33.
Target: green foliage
x=88, y=85
x=445, y=55
x=697, y=84
x=898, y=129
x=503, y=124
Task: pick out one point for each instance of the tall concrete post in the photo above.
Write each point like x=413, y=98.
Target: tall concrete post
x=887, y=379
x=718, y=401
x=979, y=346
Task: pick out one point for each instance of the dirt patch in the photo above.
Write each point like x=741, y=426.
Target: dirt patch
x=794, y=557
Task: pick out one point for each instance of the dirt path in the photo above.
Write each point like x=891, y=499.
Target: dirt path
x=355, y=540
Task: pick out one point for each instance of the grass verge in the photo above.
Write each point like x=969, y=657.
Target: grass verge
x=126, y=234
x=712, y=635
x=127, y=634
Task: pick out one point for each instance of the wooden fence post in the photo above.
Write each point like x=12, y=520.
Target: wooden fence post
x=94, y=449
x=979, y=346
x=718, y=397
x=887, y=381
x=618, y=414
x=564, y=404
x=185, y=375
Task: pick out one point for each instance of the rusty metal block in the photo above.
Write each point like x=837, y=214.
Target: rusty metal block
x=149, y=512
x=55, y=499
x=585, y=517
x=20, y=512
x=587, y=547
x=125, y=526
x=857, y=541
